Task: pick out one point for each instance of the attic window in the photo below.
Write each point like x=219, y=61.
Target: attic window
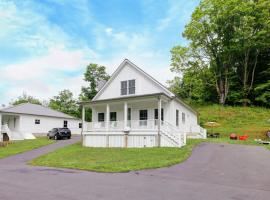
x=131, y=86
x=128, y=87
x=123, y=87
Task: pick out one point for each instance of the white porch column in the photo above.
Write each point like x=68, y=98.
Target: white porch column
x=125, y=114
x=159, y=120
x=83, y=118
x=107, y=117
x=83, y=124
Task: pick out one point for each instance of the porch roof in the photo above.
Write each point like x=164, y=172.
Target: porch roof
x=124, y=98
x=94, y=102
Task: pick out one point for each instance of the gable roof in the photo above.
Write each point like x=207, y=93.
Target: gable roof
x=34, y=109
x=121, y=66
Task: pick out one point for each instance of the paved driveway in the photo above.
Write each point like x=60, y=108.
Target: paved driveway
x=213, y=172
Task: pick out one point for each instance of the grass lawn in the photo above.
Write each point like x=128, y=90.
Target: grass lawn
x=114, y=159
x=253, y=121
x=23, y=146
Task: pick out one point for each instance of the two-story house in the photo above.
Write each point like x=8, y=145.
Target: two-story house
x=134, y=110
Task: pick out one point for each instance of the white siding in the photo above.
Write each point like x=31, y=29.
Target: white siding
x=143, y=84
x=27, y=124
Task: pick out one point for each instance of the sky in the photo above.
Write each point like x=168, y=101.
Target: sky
x=46, y=45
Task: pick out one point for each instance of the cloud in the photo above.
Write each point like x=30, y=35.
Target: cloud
x=49, y=44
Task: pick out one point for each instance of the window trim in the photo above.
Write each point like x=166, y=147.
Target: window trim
x=126, y=89
x=162, y=114
x=101, y=113
x=131, y=87
x=177, y=117
x=37, y=121
x=183, y=117
x=112, y=116
x=65, y=124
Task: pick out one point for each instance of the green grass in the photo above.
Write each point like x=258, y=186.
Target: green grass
x=23, y=146
x=253, y=121
x=114, y=159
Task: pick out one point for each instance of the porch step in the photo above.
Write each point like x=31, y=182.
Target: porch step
x=15, y=136
x=171, y=138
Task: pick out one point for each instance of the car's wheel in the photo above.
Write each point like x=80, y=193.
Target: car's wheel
x=56, y=137
x=68, y=137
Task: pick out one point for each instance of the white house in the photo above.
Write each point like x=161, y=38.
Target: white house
x=26, y=120
x=134, y=110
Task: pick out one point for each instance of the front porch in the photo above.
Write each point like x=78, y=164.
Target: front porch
x=140, y=122
x=10, y=127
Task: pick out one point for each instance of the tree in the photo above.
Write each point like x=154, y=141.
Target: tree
x=94, y=75
x=64, y=102
x=197, y=81
x=251, y=39
x=25, y=99
x=227, y=37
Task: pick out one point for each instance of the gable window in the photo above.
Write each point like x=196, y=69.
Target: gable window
x=131, y=86
x=113, y=116
x=183, y=118
x=143, y=117
x=37, y=121
x=128, y=87
x=65, y=124
x=80, y=125
x=101, y=117
x=177, y=118
x=124, y=87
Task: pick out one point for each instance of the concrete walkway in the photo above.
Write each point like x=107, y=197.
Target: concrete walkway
x=213, y=172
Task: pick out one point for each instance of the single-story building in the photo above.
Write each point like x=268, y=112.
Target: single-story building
x=25, y=121
x=133, y=109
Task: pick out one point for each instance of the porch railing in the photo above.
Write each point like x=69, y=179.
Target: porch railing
x=119, y=125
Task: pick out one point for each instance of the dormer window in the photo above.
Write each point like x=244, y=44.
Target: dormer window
x=128, y=87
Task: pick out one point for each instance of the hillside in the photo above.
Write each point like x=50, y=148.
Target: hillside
x=254, y=121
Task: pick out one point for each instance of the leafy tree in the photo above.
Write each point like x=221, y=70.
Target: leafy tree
x=64, y=102
x=25, y=99
x=227, y=37
x=94, y=75
x=251, y=37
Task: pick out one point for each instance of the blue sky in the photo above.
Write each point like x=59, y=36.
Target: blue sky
x=46, y=45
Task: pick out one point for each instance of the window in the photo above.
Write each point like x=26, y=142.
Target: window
x=101, y=117
x=143, y=117
x=162, y=114
x=113, y=116
x=177, y=117
x=128, y=87
x=131, y=86
x=80, y=125
x=183, y=118
x=129, y=114
x=37, y=121
x=124, y=87
x=65, y=124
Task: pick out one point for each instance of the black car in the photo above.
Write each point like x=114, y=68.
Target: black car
x=59, y=133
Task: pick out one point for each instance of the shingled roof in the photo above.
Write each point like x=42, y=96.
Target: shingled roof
x=34, y=109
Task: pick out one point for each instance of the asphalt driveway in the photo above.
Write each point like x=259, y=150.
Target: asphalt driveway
x=213, y=172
